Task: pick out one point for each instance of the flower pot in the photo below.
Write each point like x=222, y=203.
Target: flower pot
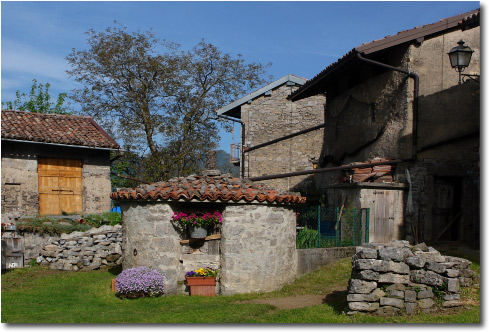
x=197, y=232
x=114, y=289
x=203, y=286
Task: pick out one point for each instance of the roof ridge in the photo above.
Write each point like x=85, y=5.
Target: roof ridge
x=52, y=128
x=258, y=92
x=49, y=114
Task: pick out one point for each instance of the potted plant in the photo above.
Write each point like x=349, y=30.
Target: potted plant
x=202, y=281
x=197, y=224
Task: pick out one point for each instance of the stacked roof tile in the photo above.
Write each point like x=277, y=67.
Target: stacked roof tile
x=378, y=173
x=55, y=128
x=213, y=187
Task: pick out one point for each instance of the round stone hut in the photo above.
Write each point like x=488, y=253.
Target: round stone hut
x=254, y=247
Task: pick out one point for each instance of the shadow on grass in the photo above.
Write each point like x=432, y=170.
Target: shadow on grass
x=336, y=300
x=115, y=270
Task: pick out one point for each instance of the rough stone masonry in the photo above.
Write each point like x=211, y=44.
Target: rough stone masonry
x=88, y=250
x=395, y=278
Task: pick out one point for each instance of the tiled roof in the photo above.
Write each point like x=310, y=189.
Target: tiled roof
x=214, y=188
x=55, y=128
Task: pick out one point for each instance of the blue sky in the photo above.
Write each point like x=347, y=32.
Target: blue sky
x=300, y=38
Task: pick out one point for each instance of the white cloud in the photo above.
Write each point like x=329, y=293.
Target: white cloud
x=19, y=58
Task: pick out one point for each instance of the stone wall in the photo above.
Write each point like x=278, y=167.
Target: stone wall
x=20, y=188
x=88, y=250
x=309, y=260
x=258, y=251
x=395, y=278
x=379, y=112
x=150, y=239
x=270, y=117
x=34, y=243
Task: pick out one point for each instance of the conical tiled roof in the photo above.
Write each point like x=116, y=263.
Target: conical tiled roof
x=212, y=186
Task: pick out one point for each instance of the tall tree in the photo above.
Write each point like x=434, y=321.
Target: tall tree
x=38, y=100
x=160, y=100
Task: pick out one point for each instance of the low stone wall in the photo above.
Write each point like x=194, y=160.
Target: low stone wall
x=88, y=250
x=394, y=278
x=33, y=243
x=309, y=260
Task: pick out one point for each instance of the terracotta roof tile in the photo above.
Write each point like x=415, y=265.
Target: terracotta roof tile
x=222, y=188
x=55, y=128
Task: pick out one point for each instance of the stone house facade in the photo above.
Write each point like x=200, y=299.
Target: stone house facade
x=268, y=115
x=431, y=139
x=53, y=164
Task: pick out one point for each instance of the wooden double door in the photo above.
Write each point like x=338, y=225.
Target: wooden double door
x=60, y=186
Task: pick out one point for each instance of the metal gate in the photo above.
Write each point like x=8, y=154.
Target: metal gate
x=321, y=227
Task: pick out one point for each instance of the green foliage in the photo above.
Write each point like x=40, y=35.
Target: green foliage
x=107, y=218
x=125, y=165
x=439, y=292
x=41, y=295
x=161, y=100
x=46, y=225
x=307, y=238
x=38, y=101
x=53, y=226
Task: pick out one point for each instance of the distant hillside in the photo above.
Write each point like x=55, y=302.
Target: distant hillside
x=225, y=165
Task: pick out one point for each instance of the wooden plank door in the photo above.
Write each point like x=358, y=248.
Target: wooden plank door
x=60, y=186
x=446, y=206
x=384, y=216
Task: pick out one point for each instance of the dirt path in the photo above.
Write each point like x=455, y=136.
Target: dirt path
x=332, y=296
x=291, y=302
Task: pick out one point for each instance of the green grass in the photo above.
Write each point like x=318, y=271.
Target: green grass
x=40, y=295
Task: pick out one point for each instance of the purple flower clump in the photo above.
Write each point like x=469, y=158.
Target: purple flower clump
x=139, y=282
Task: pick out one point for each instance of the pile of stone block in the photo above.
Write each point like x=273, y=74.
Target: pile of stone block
x=88, y=250
x=395, y=278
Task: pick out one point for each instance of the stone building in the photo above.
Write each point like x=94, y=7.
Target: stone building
x=253, y=248
x=53, y=164
x=398, y=99
x=267, y=116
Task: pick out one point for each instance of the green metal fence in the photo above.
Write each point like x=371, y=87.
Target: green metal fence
x=320, y=227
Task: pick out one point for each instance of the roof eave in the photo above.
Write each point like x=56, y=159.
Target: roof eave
x=237, y=103
x=63, y=145
x=391, y=41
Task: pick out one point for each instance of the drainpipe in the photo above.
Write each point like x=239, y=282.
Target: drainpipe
x=242, y=140
x=415, y=97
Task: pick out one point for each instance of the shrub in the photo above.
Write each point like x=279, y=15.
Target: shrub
x=108, y=218
x=139, y=282
x=50, y=226
x=307, y=238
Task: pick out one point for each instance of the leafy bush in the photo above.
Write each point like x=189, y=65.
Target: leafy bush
x=108, y=218
x=50, y=225
x=46, y=225
x=307, y=238
x=139, y=282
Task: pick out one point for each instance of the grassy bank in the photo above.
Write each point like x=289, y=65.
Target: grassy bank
x=40, y=295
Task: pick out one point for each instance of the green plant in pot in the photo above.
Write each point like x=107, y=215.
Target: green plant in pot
x=197, y=224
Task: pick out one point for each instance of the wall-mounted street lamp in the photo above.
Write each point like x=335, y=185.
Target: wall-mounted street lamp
x=460, y=59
